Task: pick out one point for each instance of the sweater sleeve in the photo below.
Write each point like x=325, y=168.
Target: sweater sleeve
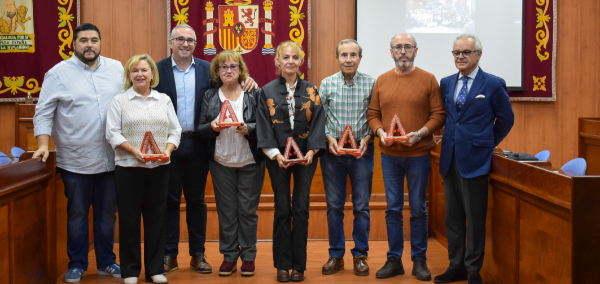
x=374, y=111
x=437, y=114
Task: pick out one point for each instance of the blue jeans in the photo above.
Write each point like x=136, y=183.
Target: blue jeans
x=416, y=170
x=335, y=170
x=83, y=190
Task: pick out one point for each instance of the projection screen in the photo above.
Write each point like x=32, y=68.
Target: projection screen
x=435, y=24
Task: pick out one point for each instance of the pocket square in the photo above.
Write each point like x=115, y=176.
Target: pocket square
x=480, y=96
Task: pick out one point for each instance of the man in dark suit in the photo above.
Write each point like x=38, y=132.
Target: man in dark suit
x=478, y=117
x=185, y=79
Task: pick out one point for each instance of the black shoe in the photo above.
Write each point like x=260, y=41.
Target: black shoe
x=451, y=275
x=420, y=270
x=391, y=268
x=475, y=278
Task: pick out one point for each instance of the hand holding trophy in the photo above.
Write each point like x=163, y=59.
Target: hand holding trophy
x=353, y=150
x=288, y=147
x=150, y=144
x=390, y=134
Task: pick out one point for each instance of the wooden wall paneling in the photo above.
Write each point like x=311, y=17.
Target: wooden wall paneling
x=502, y=219
x=158, y=31
x=7, y=127
x=141, y=24
x=123, y=21
x=589, y=144
x=5, y=247
x=586, y=229
x=62, y=259
x=542, y=232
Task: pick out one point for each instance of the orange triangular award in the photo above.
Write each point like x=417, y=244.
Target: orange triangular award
x=288, y=146
x=150, y=144
x=227, y=112
x=348, y=135
x=390, y=135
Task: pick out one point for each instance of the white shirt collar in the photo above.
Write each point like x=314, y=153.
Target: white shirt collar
x=471, y=75
x=132, y=94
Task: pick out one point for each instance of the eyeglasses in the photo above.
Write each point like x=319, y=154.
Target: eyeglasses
x=465, y=53
x=406, y=47
x=224, y=68
x=180, y=41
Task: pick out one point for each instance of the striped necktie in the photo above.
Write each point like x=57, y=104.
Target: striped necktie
x=462, y=95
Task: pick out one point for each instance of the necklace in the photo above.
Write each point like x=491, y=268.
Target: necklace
x=237, y=92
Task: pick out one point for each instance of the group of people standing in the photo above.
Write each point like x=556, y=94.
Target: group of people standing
x=98, y=113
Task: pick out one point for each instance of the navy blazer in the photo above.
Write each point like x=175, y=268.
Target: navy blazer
x=166, y=82
x=473, y=133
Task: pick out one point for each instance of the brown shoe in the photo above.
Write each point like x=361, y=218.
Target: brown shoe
x=199, y=264
x=283, y=275
x=361, y=268
x=170, y=264
x=297, y=276
x=333, y=265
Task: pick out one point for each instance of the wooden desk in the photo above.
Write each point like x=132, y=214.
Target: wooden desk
x=28, y=222
x=542, y=226
x=589, y=144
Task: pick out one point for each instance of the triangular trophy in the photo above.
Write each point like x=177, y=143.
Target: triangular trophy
x=150, y=144
x=348, y=134
x=225, y=110
x=390, y=135
x=288, y=146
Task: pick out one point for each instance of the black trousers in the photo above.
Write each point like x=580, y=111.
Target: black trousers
x=466, y=203
x=290, y=223
x=188, y=171
x=141, y=192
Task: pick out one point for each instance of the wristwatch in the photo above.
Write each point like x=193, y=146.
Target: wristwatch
x=419, y=136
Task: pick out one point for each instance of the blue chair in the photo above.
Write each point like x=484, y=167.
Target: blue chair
x=16, y=152
x=542, y=156
x=4, y=160
x=576, y=166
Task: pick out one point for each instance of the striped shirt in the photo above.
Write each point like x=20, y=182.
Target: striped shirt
x=72, y=108
x=347, y=104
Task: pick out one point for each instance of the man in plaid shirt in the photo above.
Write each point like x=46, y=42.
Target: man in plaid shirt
x=346, y=96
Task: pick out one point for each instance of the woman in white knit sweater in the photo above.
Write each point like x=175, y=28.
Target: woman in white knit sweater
x=141, y=185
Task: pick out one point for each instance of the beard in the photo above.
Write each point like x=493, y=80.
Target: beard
x=81, y=55
x=406, y=64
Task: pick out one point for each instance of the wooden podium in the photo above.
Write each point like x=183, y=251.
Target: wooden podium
x=542, y=224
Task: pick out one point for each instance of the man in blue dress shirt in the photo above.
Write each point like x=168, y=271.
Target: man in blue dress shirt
x=478, y=117
x=185, y=79
x=72, y=108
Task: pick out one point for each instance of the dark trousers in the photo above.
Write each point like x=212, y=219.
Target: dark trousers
x=466, y=203
x=237, y=193
x=290, y=223
x=188, y=171
x=141, y=192
x=83, y=191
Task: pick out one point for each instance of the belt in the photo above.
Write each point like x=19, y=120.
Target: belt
x=187, y=135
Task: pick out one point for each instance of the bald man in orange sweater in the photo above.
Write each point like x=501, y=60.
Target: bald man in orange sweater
x=414, y=95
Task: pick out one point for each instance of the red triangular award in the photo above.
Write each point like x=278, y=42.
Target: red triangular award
x=288, y=146
x=390, y=135
x=348, y=134
x=227, y=112
x=150, y=144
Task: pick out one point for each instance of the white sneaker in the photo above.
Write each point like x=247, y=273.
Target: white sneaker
x=159, y=278
x=130, y=280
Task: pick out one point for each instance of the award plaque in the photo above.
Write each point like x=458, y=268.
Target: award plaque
x=353, y=150
x=150, y=144
x=227, y=112
x=390, y=135
x=288, y=146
